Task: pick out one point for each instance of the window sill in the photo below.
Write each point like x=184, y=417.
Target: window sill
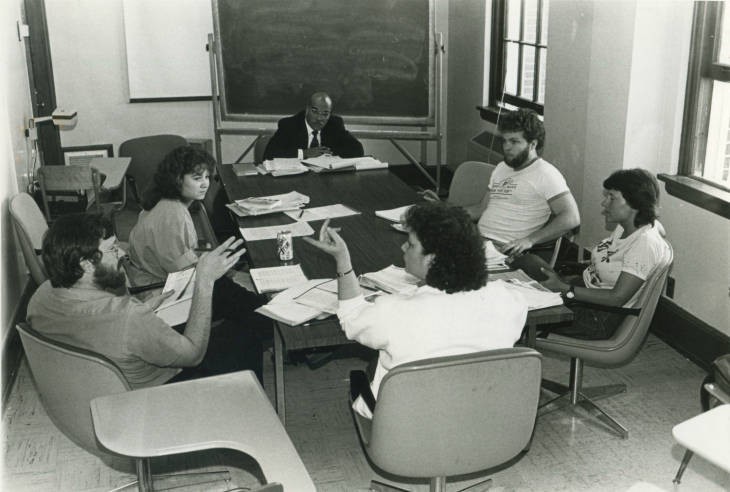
x=698, y=193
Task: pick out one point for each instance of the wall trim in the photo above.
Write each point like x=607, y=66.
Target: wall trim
x=688, y=335
x=12, y=349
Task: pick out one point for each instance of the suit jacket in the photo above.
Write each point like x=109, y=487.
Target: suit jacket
x=291, y=135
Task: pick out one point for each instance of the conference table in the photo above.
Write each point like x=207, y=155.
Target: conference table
x=373, y=245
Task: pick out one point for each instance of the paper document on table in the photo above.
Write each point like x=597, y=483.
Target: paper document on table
x=322, y=299
x=176, y=308
x=263, y=205
x=284, y=308
x=273, y=279
x=536, y=296
x=393, y=214
x=245, y=169
x=270, y=232
x=322, y=213
x=284, y=166
x=327, y=161
x=391, y=279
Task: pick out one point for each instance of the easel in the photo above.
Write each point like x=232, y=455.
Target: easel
x=424, y=135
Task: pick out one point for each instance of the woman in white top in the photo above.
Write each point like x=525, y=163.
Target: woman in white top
x=452, y=311
x=621, y=263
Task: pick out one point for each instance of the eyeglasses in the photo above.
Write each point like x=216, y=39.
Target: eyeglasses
x=109, y=245
x=317, y=112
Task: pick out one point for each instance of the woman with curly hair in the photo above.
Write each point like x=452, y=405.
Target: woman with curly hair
x=164, y=240
x=453, y=311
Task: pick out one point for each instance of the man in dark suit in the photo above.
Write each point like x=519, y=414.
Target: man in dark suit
x=313, y=132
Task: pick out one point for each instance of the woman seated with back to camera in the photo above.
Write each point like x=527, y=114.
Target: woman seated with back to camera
x=453, y=311
x=620, y=264
x=164, y=240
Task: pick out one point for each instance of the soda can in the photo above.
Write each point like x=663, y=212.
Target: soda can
x=284, y=245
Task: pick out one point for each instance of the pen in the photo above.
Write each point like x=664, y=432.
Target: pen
x=301, y=212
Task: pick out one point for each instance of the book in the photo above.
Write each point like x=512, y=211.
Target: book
x=286, y=308
x=175, y=309
x=274, y=279
x=245, y=169
x=391, y=279
x=284, y=166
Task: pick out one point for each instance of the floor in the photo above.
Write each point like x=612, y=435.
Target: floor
x=567, y=454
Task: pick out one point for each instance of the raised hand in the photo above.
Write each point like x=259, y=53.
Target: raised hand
x=214, y=264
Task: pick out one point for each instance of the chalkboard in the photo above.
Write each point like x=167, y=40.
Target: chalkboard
x=375, y=58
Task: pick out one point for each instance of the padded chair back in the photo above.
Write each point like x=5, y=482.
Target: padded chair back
x=67, y=379
x=629, y=337
x=454, y=415
x=470, y=182
x=70, y=179
x=259, y=148
x=30, y=227
x=146, y=154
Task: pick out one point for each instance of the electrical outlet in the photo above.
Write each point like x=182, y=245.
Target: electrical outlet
x=670, y=287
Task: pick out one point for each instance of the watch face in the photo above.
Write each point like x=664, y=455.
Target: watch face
x=570, y=294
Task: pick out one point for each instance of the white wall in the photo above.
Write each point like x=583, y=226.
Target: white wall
x=15, y=109
x=89, y=66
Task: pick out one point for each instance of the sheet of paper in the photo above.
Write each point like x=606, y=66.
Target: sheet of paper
x=495, y=259
x=322, y=213
x=284, y=166
x=393, y=214
x=274, y=279
x=270, y=232
x=285, y=309
x=182, y=283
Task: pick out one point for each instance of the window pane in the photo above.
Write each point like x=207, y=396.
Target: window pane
x=528, y=72
x=544, y=20
x=717, y=157
x=724, y=51
x=513, y=19
x=511, y=55
x=543, y=67
x=529, y=20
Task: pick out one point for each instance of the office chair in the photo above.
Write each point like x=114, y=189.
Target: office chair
x=469, y=183
x=453, y=415
x=77, y=181
x=67, y=379
x=146, y=153
x=30, y=227
x=616, y=351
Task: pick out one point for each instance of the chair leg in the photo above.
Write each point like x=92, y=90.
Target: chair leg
x=685, y=460
x=575, y=395
x=144, y=475
x=438, y=484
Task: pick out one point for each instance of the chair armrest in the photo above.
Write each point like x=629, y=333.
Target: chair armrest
x=601, y=307
x=145, y=288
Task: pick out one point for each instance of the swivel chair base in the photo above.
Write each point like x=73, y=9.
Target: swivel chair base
x=146, y=481
x=575, y=395
x=438, y=484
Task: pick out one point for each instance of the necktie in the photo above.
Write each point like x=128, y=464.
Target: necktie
x=314, y=142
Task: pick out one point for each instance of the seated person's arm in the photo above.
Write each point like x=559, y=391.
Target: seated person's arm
x=565, y=217
x=624, y=289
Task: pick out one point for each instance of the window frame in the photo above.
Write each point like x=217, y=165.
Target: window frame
x=497, y=63
x=703, y=71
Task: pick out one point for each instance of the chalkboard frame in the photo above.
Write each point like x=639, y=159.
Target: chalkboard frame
x=404, y=120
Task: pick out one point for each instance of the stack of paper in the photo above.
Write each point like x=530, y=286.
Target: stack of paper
x=394, y=214
x=245, y=169
x=297, y=229
x=274, y=279
x=332, y=162
x=495, y=259
x=284, y=166
x=176, y=308
x=536, y=296
x=268, y=204
x=287, y=307
x=391, y=279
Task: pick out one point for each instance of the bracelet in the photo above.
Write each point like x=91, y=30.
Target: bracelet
x=340, y=275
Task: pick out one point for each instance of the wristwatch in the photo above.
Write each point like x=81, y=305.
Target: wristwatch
x=570, y=294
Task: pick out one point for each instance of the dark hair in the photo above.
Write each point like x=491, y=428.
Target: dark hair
x=640, y=189
x=525, y=121
x=453, y=238
x=71, y=239
x=168, y=177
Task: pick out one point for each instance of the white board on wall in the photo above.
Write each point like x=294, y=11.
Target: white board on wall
x=165, y=42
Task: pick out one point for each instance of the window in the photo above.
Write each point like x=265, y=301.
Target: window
x=705, y=151
x=518, y=55
x=704, y=166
